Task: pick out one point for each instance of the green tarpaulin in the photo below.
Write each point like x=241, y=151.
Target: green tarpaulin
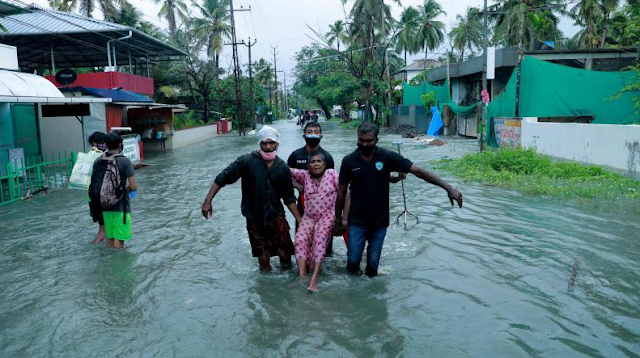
x=411, y=95
x=549, y=90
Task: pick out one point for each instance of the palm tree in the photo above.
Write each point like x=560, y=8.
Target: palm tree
x=608, y=7
x=264, y=72
x=467, y=33
x=150, y=29
x=126, y=15
x=431, y=32
x=63, y=5
x=406, y=37
x=336, y=33
x=522, y=22
x=213, y=26
x=171, y=10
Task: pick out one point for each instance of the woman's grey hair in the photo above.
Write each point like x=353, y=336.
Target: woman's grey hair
x=315, y=153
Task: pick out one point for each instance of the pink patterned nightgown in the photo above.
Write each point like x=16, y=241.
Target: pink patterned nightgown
x=319, y=213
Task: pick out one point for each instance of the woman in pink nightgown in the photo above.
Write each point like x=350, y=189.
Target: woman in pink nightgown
x=314, y=233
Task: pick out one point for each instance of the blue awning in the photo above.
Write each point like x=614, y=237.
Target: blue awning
x=116, y=95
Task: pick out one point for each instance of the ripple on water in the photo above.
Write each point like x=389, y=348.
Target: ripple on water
x=488, y=280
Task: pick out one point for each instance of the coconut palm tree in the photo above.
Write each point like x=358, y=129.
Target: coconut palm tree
x=337, y=33
x=522, y=22
x=608, y=7
x=172, y=10
x=264, y=72
x=213, y=26
x=406, y=37
x=467, y=33
x=431, y=31
x=63, y=5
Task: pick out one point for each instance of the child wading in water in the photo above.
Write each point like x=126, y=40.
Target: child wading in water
x=321, y=190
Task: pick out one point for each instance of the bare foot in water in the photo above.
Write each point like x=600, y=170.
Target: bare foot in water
x=99, y=239
x=313, y=285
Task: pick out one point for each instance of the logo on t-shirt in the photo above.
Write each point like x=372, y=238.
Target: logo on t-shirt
x=379, y=165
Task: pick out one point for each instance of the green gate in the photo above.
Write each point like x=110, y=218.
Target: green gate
x=34, y=174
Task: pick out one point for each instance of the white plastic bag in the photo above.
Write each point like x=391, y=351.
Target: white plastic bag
x=81, y=174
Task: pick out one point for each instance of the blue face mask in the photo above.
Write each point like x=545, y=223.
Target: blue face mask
x=312, y=139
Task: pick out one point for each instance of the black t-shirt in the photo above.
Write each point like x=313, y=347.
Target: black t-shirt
x=298, y=159
x=263, y=188
x=369, y=183
x=125, y=167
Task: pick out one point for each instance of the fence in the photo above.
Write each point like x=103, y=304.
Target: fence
x=32, y=175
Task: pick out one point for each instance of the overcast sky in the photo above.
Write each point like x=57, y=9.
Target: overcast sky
x=283, y=23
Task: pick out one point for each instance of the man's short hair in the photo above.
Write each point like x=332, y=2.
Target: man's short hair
x=97, y=137
x=113, y=141
x=368, y=127
x=315, y=153
x=312, y=125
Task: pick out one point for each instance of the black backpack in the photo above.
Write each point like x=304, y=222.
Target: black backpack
x=108, y=185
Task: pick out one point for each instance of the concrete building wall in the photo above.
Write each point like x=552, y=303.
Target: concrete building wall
x=60, y=134
x=183, y=138
x=615, y=146
x=67, y=134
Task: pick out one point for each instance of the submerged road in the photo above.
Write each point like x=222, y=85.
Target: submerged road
x=506, y=276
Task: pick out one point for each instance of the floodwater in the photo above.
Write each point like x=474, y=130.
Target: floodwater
x=490, y=280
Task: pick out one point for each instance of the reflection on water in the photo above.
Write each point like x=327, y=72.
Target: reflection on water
x=488, y=280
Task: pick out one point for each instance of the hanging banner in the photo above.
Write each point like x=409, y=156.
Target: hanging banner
x=491, y=62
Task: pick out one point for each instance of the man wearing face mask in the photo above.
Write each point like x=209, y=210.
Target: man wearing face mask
x=367, y=171
x=298, y=160
x=266, y=183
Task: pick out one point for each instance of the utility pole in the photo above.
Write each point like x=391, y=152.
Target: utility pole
x=484, y=73
x=236, y=69
x=253, y=110
x=286, y=95
x=275, y=76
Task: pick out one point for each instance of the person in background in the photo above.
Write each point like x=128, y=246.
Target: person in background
x=266, y=183
x=98, y=145
x=366, y=172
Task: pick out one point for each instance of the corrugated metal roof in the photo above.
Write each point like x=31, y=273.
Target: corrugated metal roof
x=47, y=21
x=77, y=41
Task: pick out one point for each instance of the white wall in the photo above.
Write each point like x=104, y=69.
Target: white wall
x=189, y=136
x=65, y=134
x=183, y=138
x=615, y=146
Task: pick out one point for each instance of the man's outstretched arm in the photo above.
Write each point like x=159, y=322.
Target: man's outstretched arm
x=431, y=178
x=207, y=207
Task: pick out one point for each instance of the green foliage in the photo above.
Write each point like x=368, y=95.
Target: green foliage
x=351, y=124
x=428, y=99
x=535, y=174
x=186, y=120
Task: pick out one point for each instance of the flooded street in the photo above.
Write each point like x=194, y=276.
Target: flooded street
x=490, y=280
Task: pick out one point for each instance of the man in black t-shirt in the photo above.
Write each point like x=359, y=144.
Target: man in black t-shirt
x=367, y=171
x=298, y=160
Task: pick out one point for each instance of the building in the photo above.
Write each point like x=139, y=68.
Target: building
x=417, y=67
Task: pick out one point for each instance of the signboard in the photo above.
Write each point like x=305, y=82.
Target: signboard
x=131, y=148
x=9, y=58
x=16, y=158
x=508, y=132
x=491, y=62
x=66, y=76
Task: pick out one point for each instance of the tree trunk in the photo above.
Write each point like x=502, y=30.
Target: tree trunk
x=603, y=40
x=207, y=108
x=325, y=109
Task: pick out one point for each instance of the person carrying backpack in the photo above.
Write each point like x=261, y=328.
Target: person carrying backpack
x=109, y=188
